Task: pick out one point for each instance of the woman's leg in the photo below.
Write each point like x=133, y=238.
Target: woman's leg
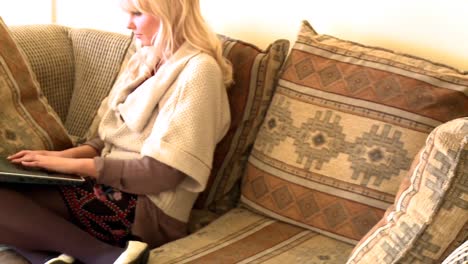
x=35, y=218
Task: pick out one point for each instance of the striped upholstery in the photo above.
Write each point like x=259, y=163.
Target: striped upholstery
x=75, y=68
x=255, y=75
x=241, y=236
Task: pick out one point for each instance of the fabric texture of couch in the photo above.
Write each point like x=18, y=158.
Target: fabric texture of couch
x=338, y=152
x=27, y=120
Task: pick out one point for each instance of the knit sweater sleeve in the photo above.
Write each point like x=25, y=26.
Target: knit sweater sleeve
x=191, y=122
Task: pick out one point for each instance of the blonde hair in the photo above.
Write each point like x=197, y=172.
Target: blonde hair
x=180, y=21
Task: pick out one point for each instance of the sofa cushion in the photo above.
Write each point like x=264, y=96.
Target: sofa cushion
x=429, y=216
x=344, y=125
x=27, y=120
x=255, y=75
x=241, y=236
x=98, y=58
x=50, y=53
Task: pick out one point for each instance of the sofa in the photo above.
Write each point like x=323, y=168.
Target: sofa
x=338, y=152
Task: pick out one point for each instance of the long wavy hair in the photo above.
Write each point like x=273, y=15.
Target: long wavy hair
x=180, y=21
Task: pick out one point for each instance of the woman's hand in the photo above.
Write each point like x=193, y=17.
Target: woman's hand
x=23, y=153
x=83, y=151
x=53, y=161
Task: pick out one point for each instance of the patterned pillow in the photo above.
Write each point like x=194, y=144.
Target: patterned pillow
x=429, y=216
x=49, y=52
x=255, y=75
x=458, y=256
x=344, y=125
x=26, y=119
x=74, y=71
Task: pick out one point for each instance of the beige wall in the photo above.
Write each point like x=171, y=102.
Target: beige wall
x=433, y=29
x=25, y=11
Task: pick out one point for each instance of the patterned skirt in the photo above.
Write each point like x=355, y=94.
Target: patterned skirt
x=102, y=211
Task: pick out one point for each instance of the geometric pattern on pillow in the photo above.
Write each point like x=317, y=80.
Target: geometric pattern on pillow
x=430, y=215
x=344, y=125
x=255, y=74
x=241, y=236
x=27, y=121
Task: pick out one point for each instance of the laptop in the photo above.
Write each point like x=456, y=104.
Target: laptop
x=14, y=173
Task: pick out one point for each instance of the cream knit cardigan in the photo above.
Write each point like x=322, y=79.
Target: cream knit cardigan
x=176, y=116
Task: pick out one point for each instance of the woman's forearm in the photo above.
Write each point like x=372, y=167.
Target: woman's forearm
x=85, y=167
x=83, y=151
x=81, y=157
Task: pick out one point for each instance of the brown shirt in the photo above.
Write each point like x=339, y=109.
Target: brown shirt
x=143, y=176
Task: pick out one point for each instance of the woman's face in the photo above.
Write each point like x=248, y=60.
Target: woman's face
x=144, y=27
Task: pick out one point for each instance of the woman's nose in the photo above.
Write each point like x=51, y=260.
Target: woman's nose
x=130, y=25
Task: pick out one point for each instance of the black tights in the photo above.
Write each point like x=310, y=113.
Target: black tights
x=35, y=218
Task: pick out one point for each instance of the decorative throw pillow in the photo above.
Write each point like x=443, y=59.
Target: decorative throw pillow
x=344, y=125
x=49, y=52
x=255, y=75
x=429, y=216
x=26, y=119
x=73, y=69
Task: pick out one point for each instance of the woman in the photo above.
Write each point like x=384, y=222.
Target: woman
x=158, y=131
